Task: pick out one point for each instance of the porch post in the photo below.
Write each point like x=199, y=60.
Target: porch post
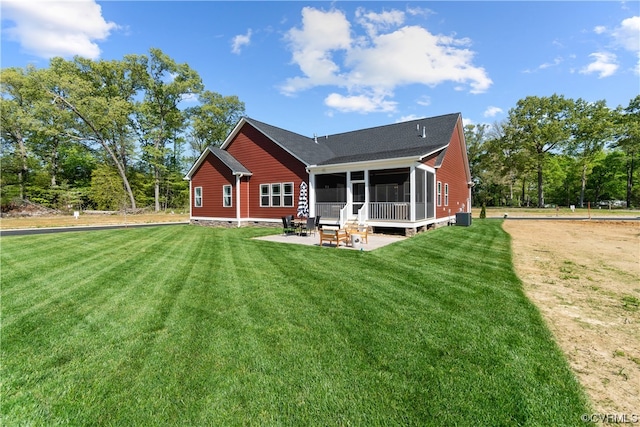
x=238, y=179
x=312, y=194
x=367, y=195
x=412, y=194
x=349, y=195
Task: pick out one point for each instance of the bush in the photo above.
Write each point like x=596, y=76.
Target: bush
x=483, y=211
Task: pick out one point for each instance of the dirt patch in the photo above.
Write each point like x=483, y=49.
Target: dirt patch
x=42, y=221
x=584, y=276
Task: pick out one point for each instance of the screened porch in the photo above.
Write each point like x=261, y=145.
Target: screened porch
x=394, y=195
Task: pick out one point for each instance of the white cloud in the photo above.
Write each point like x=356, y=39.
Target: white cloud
x=492, y=111
x=48, y=28
x=408, y=118
x=627, y=34
x=240, y=41
x=424, y=100
x=312, y=47
x=373, y=22
x=600, y=29
x=604, y=63
x=359, y=103
x=386, y=56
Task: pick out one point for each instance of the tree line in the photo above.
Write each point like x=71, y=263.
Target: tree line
x=557, y=151
x=115, y=134
x=107, y=134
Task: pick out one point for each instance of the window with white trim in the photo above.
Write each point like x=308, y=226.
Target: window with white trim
x=265, y=195
x=276, y=194
x=226, y=196
x=439, y=193
x=446, y=194
x=287, y=190
x=197, y=197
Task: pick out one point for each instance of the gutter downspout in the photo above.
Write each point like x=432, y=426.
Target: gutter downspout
x=238, y=179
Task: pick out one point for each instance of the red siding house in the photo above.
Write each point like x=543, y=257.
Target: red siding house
x=408, y=175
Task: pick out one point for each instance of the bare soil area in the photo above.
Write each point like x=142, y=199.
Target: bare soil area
x=584, y=276
x=40, y=221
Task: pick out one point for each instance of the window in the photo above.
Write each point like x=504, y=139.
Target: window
x=439, y=193
x=357, y=176
x=197, y=197
x=446, y=194
x=264, y=195
x=275, y=195
x=226, y=196
x=288, y=193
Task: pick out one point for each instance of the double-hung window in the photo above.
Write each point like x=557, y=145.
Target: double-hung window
x=275, y=194
x=446, y=194
x=265, y=195
x=226, y=196
x=287, y=193
x=197, y=197
x=439, y=193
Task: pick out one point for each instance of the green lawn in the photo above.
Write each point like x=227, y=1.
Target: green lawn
x=186, y=325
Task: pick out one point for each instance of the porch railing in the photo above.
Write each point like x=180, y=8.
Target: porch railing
x=390, y=211
x=329, y=209
x=395, y=211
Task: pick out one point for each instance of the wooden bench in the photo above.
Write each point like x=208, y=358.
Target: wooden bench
x=334, y=237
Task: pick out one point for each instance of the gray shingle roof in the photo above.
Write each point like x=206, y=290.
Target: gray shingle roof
x=403, y=139
x=230, y=161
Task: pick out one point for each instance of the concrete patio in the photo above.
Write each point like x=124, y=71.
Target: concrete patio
x=375, y=241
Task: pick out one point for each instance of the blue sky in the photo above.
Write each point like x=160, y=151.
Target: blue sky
x=330, y=67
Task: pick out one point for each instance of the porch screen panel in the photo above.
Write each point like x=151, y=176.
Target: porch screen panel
x=331, y=188
x=431, y=207
x=390, y=185
x=421, y=197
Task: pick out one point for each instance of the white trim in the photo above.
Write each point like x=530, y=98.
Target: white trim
x=226, y=219
x=238, y=179
x=412, y=194
x=196, y=165
x=364, y=165
x=425, y=167
x=435, y=151
x=191, y=201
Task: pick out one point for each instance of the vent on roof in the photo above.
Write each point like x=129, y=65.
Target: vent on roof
x=424, y=131
x=315, y=138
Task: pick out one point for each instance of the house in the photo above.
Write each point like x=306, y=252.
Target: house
x=410, y=175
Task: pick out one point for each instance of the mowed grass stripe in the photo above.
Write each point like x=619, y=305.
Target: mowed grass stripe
x=208, y=327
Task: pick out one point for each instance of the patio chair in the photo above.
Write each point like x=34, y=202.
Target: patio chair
x=310, y=227
x=287, y=227
x=318, y=226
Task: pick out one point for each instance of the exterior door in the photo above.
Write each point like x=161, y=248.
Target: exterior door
x=358, y=193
